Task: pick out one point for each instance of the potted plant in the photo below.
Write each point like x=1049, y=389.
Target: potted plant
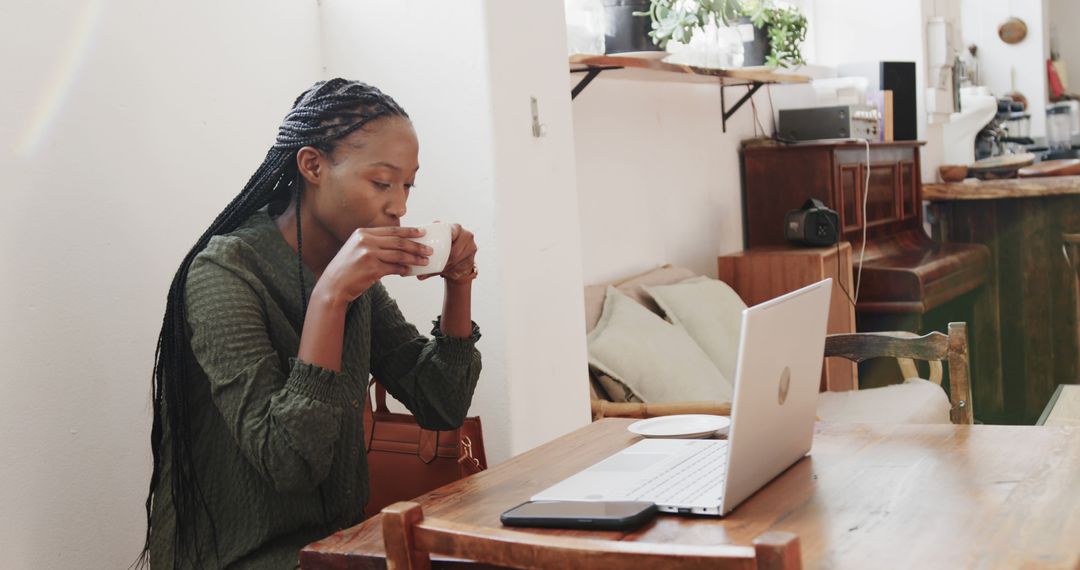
x=679, y=19
x=778, y=30
x=783, y=26
x=624, y=32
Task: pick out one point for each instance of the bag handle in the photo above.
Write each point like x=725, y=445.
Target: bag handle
x=380, y=396
x=469, y=464
x=370, y=411
x=369, y=419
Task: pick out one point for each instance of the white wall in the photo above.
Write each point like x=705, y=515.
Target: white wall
x=1063, y=18
x=855, y=31
x=536, y=221
x=126, y=126
x=658, y=182
x=465, y=72
x=997, y=59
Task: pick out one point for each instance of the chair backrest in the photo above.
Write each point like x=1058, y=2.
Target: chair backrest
x=410, y=539
x=931, y=347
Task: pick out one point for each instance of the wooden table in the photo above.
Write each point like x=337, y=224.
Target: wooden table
x=1033, y=288
x=885, y=496
x=1064, y=407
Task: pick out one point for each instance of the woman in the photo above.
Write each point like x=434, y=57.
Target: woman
x=274, y=322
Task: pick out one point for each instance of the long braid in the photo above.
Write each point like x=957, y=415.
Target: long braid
x=321, y=116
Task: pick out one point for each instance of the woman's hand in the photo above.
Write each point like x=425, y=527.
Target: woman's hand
x=369, y=255
x=461, y=265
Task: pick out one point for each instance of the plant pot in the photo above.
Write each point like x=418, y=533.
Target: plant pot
x=756, y=50
x=623, y=30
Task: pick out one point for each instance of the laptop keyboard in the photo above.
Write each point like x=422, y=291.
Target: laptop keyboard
x=687, y=480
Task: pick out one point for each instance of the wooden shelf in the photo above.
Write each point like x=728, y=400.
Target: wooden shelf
x=654, y=69
x=658, y=70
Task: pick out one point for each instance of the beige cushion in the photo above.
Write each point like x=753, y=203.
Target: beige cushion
x=916, y=401
x=711, y=313
x=595, y=294
x=657, y=360
x=615, y=391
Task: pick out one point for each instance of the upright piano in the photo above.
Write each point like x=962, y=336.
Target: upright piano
x=908, y=281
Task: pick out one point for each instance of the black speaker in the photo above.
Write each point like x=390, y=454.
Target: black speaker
x=813, y=224
x=899, y=77
x=895, y=76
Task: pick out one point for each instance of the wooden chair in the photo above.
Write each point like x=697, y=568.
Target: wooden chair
x=904, y=346
x=933, y=347
x=410, y=539
x=602, y=407
x=641, y=410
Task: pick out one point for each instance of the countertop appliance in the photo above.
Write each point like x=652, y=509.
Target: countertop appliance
x=823, y=123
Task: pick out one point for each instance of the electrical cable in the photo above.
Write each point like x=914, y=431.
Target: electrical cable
x=772, y=109
x=866, y=199
x=839, y=267
x=757, y=120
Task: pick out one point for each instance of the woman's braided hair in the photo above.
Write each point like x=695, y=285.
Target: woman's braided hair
x=324, y=114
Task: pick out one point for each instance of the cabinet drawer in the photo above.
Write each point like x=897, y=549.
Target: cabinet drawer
x=883, y=195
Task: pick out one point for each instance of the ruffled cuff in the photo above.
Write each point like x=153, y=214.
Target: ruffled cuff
x=313, y=381
x=454, y=350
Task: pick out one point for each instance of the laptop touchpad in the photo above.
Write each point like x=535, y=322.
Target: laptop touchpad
x=630, y=462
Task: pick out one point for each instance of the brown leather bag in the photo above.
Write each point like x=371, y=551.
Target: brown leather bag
x=405, y=460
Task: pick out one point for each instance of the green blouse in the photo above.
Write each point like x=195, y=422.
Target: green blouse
x=278, y=443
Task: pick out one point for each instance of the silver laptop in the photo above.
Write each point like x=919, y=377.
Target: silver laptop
x=772, y=421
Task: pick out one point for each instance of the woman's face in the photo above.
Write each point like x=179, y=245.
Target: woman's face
x=365, y=181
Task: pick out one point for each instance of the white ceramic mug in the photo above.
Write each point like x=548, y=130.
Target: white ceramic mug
x=438, y=237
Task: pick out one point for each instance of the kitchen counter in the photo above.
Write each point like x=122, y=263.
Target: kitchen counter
x=1022, y=221
x=972, y=189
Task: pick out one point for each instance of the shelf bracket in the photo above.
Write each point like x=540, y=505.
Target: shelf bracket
x=728, y=113
x=590, y=74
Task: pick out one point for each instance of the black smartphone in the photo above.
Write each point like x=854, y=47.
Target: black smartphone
x=601, y=515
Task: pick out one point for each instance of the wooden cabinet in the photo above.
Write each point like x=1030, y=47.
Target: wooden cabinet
x=781, y=178
x=761, y=274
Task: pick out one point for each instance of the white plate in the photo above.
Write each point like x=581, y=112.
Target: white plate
x=684, y=426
